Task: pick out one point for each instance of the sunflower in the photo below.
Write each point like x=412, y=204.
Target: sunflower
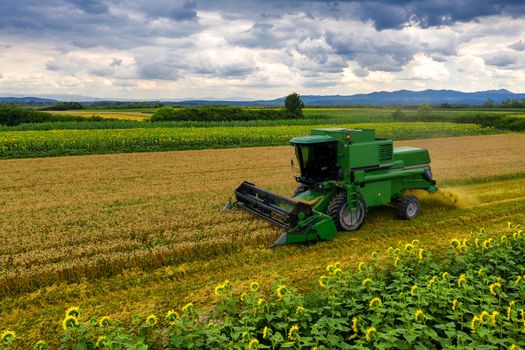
x=7, y=337
x=69, y=322
x=354, y=325
x=462, y=278
x=171, y=316
x=431, y=281
x=219, y=290
x=253, y=344
x=369, y=332
x=493, y=287
x=473, y=323
x=101, y=342
x=73, y=311
x=41, y=345
x=413, y=290
x=104, y=321
x=281, y=291
x=322, y=281
x=454, y=304
x=254, y=286
x=151, y=320
x=374, y=301
x=509, y=309
x=188, y=307
x=494, y=315
x=366, y=281
x=419, y=313
x=265, y=332
x=292, y=333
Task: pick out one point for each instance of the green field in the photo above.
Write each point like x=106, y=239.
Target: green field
x=25, y=144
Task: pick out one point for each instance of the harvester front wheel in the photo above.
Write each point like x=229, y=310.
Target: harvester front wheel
x=344, y=219
x=408, y=208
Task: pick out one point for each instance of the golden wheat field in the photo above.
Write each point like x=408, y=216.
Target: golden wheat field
x=125, y=234
x=71, y=217
x=127, y=115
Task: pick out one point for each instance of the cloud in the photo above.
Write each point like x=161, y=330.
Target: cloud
x=101, y=71
x=431, y=13
x=174, y=65
x=262, y=48
x=115, y=62
x=186, y=12
x=1, y=75
x=501, y=59
x=519, y=46
x=93, y=7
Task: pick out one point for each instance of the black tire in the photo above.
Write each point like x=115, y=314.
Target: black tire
x=408, y=208
x=343, y=219
x=300, y=189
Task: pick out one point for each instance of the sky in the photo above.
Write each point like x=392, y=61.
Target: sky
x=255, y=49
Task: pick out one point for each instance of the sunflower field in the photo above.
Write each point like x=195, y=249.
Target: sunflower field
x=46, y=143
x=404, y=298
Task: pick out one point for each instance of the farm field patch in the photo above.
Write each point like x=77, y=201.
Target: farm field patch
x=122, y=115
x=30, y=144
x=83, y=220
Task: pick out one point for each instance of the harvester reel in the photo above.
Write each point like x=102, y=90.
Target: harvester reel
x=344, y=219
x=408, y=208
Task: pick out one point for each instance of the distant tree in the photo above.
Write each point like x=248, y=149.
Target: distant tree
x=424, y=110
x=398, y=114
x=445, y=105
x=294, y=105
x=488, y=103
x=63, y=106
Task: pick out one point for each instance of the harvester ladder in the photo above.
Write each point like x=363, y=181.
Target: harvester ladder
x=352, y=199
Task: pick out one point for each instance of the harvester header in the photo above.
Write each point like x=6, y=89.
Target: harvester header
x=343, y=173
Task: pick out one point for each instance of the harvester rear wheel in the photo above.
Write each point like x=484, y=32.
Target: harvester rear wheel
x=408, y=208
x=345, y=220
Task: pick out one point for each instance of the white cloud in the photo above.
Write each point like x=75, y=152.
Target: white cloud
x=425, y=68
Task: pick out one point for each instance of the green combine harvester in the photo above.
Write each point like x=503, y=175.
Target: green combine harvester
x=343, y=173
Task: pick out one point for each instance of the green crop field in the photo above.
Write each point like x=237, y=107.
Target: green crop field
x=130, y=235
x=24, y=144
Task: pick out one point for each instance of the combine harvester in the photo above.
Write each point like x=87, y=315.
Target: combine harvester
x=343, y=173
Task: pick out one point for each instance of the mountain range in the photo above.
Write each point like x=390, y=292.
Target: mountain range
x=380, y=98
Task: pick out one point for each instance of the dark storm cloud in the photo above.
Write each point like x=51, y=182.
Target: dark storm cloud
x=394, y=14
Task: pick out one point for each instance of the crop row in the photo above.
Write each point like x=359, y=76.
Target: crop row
x=29, y=144
x=403, y=298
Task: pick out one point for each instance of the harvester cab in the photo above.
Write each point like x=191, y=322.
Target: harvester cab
x=343, y=173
